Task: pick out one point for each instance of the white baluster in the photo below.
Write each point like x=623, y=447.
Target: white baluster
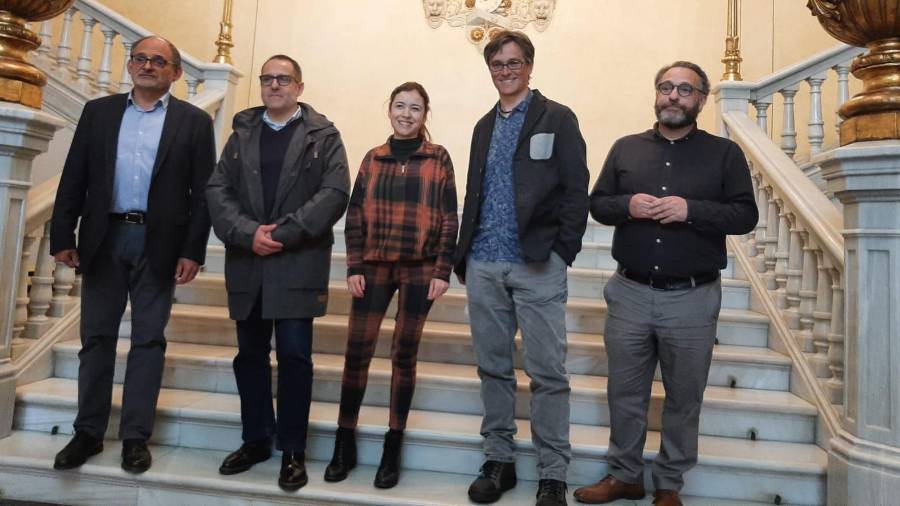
x=762, y=203
x=788, y=131
x=125, y=83
x=41, y=288
x=781, y=256
x=771, y=248
x=191, y=87
x=822, y=317
x=835, y=384
x=750, y=238
x=105, y=72
x=64, y=49
x=794, y=274
x=46, y=36
x=816, y=124
x=84, y=60
x=63, y=278
x=21, y=314
x=808, y=293
x=762, y=112
x=843, y=94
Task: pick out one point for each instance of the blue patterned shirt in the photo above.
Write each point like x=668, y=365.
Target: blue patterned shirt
x=139, y=137
x=497, y=235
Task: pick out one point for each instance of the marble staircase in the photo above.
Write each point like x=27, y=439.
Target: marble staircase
x=757, y=442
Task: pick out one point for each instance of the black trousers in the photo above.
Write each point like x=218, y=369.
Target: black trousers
x=253, y=372
x=121, y=272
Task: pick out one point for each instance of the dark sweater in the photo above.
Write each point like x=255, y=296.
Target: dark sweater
x=402, y=149
x=273, y=147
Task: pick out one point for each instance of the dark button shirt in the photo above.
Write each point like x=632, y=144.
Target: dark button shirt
x=497, y=236
x=709, y=172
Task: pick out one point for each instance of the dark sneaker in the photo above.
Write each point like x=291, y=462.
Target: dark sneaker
x=496, y=478
x=551, y=493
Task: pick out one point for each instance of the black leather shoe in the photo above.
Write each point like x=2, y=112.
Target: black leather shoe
x=77, y=451
x=551, y=493
x=344, y=458
x=246, y=456
x=388, y=473
x=135, y=456
x=496, y=478
x=293, y=471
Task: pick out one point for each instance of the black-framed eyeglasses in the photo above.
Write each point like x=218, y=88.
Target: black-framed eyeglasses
x=157, y=61
x=684, y=89
x=282, y=79
x=498, y=66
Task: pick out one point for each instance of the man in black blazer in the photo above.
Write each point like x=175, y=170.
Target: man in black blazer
x=525, y=212
x=133, y=185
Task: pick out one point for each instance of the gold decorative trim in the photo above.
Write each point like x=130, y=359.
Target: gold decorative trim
x=733, y=58
x=224, y=42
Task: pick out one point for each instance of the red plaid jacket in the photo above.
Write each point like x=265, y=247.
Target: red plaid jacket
x=403, y=212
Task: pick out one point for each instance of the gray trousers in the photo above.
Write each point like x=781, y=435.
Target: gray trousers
x=678, y=329
x=503, y=297
x=121, y=272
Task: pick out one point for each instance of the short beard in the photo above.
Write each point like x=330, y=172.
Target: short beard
x=682, y=118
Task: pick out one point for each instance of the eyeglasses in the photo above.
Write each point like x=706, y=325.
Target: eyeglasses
x=684, y=89
x=142, y=59
x=283, y=79
x=498, y=66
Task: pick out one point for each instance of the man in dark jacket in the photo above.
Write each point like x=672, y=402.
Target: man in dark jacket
x=280, y=186
x=133, y=185
x=525, y=212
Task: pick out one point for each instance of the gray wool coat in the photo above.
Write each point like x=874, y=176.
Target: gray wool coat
x=312, y=195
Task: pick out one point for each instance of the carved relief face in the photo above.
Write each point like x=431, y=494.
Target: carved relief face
x=435, y=8
x=542, y=8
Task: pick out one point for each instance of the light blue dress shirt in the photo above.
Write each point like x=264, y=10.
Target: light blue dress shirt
x=139, y=137
x=274, y=125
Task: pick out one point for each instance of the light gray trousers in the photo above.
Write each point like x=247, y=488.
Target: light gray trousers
x=677, y=328
x=503, y=297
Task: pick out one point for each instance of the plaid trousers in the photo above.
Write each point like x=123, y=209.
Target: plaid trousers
x=412, y=280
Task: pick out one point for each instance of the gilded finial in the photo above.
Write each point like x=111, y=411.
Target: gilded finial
x=224, y=43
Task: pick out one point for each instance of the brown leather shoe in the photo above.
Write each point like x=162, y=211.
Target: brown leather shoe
x=666, y=498
x=609, y=489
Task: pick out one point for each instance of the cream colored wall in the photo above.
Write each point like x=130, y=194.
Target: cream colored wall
x=597, y=56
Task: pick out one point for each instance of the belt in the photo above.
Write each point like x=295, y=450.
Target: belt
x=133, y=217
x=669, y=282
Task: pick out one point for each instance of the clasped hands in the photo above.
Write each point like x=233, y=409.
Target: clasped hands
x=263, y=244
x=664, y=210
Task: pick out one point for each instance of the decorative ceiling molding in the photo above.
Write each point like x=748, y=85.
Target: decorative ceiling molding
x=482, y=19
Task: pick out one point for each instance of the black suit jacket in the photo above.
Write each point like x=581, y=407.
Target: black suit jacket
x=177, y=218
x=550, y=181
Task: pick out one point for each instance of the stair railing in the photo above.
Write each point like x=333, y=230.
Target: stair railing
x=794, y=259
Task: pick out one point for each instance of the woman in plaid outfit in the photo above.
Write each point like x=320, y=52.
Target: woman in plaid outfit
x=401, y=231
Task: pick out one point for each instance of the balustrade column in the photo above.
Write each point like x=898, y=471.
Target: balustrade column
x=41, y=289
x=84, y=60
x=46, y=36
x=762, y=112
x=759, y=237
x=835, y=384
x=808, y=288
x=191, y=87
x=63, y=280
x=64, y=48
x=843, y=92
x=21, y=315
x=105, y=73
x=816, y=130
x=771, y=241
x=125, y=83
x=822, y=317
x=781, y=256
x=794, y=275
x=788, y=131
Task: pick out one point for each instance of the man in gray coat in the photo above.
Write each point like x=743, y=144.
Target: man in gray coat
x=280, y=186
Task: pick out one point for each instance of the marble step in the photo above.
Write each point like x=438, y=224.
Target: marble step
x=587, y=276
x=450, y=442
x=189, y=477
x=583, y=314
x=733, y=365
x=730, y=412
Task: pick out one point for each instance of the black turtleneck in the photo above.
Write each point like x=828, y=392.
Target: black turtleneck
x=402, y=149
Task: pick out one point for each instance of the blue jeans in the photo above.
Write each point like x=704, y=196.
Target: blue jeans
x=253, y=372
x=530, y=296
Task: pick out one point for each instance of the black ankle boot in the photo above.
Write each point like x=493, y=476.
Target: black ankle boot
x=388, y=473
x=344, y=458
